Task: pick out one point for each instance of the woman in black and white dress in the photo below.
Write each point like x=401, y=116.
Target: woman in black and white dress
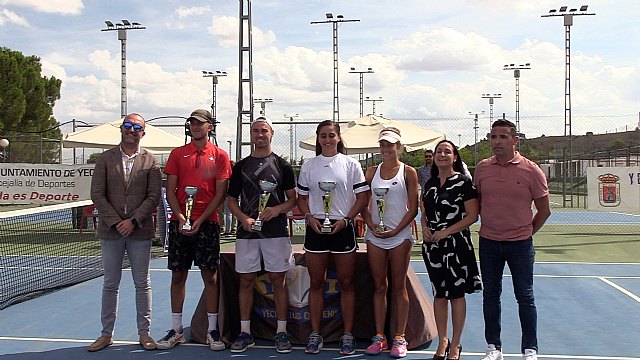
x=451, y=206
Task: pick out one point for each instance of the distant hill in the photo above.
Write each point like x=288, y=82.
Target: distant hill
x=584, y=146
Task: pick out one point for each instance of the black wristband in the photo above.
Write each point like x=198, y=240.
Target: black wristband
x=347, y=220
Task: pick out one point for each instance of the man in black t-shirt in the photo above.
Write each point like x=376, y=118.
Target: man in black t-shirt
x=268, y=243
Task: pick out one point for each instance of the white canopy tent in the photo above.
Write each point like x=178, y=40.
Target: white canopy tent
x=361, y=136
x=107, y=135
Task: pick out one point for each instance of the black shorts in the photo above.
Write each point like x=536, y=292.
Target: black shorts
x=340, y=243
x=201, y=249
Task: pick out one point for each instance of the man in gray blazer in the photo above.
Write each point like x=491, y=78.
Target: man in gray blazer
x=125, y=189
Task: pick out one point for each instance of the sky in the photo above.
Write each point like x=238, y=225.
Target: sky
x=432, y=60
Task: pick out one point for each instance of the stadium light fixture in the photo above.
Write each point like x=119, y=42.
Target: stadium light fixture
x=122, y=29
x=361, y=72
x=567, y=199
x=334, y=23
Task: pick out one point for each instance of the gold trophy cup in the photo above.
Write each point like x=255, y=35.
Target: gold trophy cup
x=267, y=187
x=191, y=191
x=327, y=187
x=381, y=192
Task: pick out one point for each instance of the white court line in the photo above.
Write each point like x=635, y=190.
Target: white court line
x=48, y=268
x=621, y=289
x=621, y=213
x=563, y=262
x=163, y=270
x=418, y=352
x=54, y=256
x=567, y=276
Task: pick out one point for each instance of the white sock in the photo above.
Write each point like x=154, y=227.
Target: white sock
x=282, y=326
x=176, y=322
x=245, y=326
x=213, y=321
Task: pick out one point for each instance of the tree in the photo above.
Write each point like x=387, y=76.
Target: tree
x=93, y=158
x=26, y=108
x=414, y=158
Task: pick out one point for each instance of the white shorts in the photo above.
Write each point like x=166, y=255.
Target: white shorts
x=276, y=254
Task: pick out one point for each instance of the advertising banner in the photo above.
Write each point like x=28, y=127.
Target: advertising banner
x=44, y=183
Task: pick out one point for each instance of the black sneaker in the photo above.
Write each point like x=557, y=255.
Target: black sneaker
x=283, y=344
x=314, y=344
x=347, y=344
x=242, y=343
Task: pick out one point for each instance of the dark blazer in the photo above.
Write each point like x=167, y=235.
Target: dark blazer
x=117, y=200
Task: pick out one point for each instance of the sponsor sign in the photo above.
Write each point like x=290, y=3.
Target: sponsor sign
x=44, y=183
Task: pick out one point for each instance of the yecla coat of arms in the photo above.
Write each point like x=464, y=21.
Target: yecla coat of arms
x=609, y=190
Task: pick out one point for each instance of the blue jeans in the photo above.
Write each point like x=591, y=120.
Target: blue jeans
x=520, y=256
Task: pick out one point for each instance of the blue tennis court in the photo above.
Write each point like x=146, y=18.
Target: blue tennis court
x=569, y=217
x=560, y=217
x=585, y=311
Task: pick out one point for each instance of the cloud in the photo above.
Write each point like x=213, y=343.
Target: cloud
x=184, y=17
x=9, y=17
x=184, y=12
x=71, y=7
x=50, y=69
x=225, y=30
x=444, y=49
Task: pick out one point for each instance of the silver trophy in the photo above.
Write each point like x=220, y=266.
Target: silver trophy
x=381, y=192
x=191, y=191
x=327, y=187
x=267, y=187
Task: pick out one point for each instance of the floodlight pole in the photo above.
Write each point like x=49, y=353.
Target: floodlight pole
x=568, y=159
x=291, y=135
x=334, y=22
x=475, y=143
x=354, y=71
x=491, y=97
x=263, y=106
x=516, y=74
x=373, y=110
x=214, y=82
x=122, y=36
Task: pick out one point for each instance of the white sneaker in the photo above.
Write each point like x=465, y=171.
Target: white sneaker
x=213, y=339
x=170, y=340
x=530, y=354
x=493, y=354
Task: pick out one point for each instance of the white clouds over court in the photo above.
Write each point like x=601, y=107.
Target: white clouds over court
x=431, y=58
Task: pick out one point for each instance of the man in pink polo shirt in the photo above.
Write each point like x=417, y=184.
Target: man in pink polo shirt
x=507, y=184
x=197, y=178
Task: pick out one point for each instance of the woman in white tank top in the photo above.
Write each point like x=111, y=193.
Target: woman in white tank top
x=390, y=247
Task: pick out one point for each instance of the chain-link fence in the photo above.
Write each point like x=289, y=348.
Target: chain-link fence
x=543, y=141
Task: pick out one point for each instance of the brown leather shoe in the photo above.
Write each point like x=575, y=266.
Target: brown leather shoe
x=100, y=343
x=147, y=342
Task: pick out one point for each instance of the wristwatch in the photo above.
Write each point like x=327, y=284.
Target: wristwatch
x=347, y=221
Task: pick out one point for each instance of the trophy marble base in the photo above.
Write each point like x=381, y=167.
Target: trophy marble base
x=256, y=226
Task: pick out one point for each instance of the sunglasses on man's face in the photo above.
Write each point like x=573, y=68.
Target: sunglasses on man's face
x=137, y=128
